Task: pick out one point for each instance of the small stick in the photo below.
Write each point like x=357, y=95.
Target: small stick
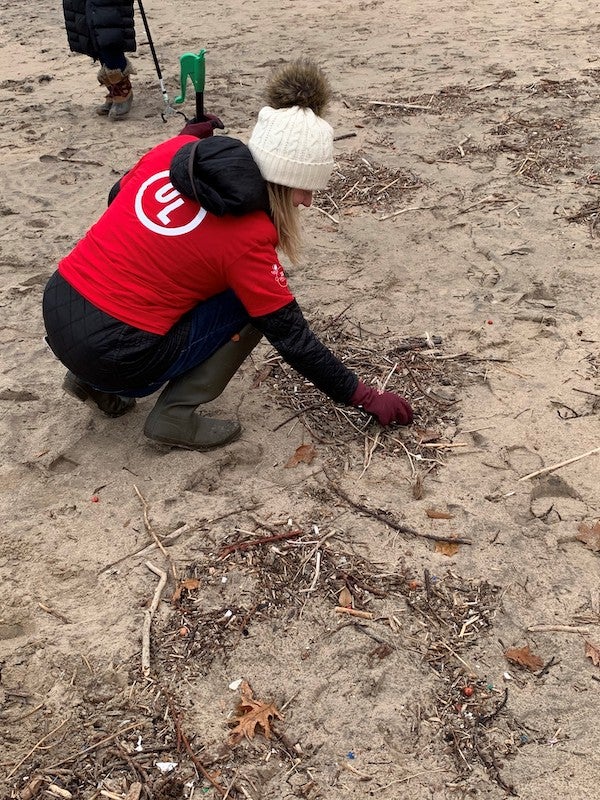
x=343, y=136
x=403, y=211
x=445, y=445
x=354, y=612
x=313, y=585
x=54, y=613
x=399, y=105
x=148, y=617
x=327, y=214
x=148, y=526
x=393, y=524
x=297, y=414
x=560, y=464
x=246, y=544
x=349, y=192
x=585, y=391
x=361, y=775
x=559, y=628
x=92, y=747
x=35, y=747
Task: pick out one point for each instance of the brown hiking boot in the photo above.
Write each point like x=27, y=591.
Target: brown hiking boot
x=119, y=99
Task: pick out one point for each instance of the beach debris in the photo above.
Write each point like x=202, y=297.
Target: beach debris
x=250, y=714
x=593, y=651
x=433, y=514
x=185, y=585
x=446, y=548
x=523, y=657
x=589, y=536
x=305, y=454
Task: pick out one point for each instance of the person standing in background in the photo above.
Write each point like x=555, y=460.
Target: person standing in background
x=105, y=31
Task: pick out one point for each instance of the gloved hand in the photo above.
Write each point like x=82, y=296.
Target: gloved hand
x=204, y=129
x=386, y=406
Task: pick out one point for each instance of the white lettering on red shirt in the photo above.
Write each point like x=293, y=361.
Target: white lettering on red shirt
x=161, y=209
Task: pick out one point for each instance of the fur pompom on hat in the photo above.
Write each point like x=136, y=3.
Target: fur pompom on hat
x=291, y=143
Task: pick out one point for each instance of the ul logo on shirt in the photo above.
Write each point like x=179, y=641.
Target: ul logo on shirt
x=279, y=275
x=161, y=208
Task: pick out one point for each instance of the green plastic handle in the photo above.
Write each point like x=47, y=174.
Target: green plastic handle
x=191, y=66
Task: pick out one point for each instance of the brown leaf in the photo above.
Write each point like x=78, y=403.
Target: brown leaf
x=593, y=651
x=446, y=548
x=304, y=454
x=345, y=598
x=523, y=657
x=433, y=514
x=250, y=713
x=589, y=536
x=189, y=584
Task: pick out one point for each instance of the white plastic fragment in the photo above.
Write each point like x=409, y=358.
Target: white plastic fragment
x=166, y=766
x=235, y=685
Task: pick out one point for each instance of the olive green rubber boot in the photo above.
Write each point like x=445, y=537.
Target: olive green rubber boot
x=173, y=419
x=113, y=405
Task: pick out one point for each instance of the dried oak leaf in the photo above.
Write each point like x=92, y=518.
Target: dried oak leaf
x=589, y=536
x=304, y=454
x=188, y=584
x=250, y=713
x=593, y=651
x=446, y=548
x=524, y=658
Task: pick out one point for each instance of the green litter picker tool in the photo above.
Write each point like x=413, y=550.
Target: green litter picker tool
x=192, y=66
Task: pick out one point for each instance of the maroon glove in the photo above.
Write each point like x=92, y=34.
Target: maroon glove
x=386, y=406
x=204, y=129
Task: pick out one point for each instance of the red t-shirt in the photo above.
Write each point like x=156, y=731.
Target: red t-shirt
x=155, y=254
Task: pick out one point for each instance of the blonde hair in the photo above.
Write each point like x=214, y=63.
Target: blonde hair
x=286, y=220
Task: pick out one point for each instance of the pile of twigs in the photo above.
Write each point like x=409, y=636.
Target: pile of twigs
x=414, y=368
x=358, y=182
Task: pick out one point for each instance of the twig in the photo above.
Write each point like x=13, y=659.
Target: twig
x=354, y=612
x=343, y=136
x=246, y=544
x=93, y=747
x=560, y=464
x=55, y=613
x=297, y=414
x=315, y=579
x=559, y=628
x=36, y=746
x=392, y=523
x=167, y=541
x=327, y=214
x=148, y=617
x=399, y=105
x=182, y=738
x=496, y=711
x=404, y=211
x=585, y=391
x=157, y=541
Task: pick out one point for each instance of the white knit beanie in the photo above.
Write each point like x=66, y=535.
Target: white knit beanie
x=293, y=147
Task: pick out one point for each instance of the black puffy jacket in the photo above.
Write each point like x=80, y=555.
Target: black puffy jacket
x=95, y=25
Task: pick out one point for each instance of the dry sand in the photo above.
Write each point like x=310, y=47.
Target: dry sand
x=489, y=145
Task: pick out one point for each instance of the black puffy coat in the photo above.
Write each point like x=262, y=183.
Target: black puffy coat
x=95, y=25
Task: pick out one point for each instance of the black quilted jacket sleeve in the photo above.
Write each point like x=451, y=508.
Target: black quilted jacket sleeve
x=290, y=335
